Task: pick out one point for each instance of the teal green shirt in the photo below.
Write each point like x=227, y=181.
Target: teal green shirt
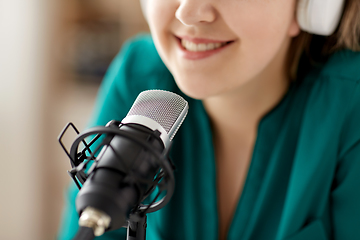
x=304, y=178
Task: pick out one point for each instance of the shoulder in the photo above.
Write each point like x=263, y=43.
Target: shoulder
x=334, y=96
x=343, y=71
x=343, y=64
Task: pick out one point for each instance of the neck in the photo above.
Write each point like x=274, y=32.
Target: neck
x=245, y=107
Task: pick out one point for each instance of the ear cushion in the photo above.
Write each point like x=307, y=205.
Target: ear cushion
x=319, y=16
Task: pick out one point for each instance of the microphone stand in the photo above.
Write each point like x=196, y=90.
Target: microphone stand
x=136, y=229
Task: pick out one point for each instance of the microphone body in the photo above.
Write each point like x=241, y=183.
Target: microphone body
x=110, y=187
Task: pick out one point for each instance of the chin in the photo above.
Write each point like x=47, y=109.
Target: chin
x=196, y=89
x=193, y=93
x=205, y=86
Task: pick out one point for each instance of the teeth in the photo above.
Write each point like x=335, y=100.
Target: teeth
x=193, y=47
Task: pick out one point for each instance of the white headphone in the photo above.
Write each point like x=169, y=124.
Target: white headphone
x=314, y=16
x=319, y=16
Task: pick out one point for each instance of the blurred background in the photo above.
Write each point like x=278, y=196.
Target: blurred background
x=53, y=55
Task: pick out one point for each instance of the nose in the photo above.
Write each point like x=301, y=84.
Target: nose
x=194, y=12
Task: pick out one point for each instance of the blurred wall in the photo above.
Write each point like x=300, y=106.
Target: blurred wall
x=23, y=73
x=40, y=91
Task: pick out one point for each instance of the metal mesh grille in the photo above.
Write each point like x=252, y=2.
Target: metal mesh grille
x=161, y=106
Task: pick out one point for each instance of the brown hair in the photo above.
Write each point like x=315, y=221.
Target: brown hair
x=347, y=36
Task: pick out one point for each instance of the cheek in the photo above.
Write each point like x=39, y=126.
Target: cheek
x=261, y=29
x=160, y=14
x=260, y=20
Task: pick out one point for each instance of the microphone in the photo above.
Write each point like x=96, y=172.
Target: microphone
x=125, y=162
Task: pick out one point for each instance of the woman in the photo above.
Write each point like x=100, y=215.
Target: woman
x=271, y=145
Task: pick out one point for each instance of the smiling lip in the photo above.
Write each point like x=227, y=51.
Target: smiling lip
x=200, y=54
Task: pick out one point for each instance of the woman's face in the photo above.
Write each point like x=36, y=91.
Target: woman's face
x=215, y=46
